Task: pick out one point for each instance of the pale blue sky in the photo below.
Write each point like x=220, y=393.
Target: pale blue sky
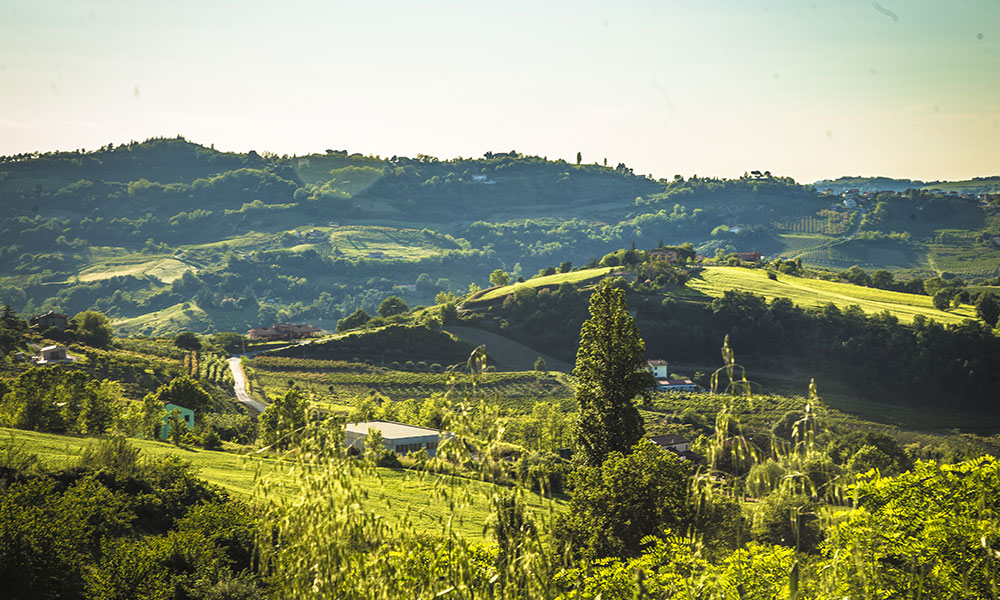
x=807, y=89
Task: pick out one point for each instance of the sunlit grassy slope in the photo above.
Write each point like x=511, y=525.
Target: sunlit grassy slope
x=576, y=277
x=815, y=293
x=427, y=500
x=186, y=316
x=179, y=317
x=164, y=269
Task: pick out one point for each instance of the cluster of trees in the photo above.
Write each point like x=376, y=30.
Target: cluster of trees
x=119, y=525
x=56, y=400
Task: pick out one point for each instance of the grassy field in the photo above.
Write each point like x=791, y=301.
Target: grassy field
x=577, y=277
x=427, y=500
x=165, y=322
x=164, y=269
x=815, y=293
x=188, y=316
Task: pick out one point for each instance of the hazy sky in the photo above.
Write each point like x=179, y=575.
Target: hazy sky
x=709, y=87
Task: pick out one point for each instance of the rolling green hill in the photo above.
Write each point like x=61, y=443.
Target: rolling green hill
x=575, y=277
x=141, y=229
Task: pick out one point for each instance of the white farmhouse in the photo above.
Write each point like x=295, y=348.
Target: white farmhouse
x=658, y=368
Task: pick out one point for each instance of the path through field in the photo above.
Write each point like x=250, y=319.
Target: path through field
x=240, y=385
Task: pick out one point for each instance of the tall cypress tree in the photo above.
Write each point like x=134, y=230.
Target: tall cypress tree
x=610, y=374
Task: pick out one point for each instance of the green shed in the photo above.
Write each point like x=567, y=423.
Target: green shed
x=187, y=415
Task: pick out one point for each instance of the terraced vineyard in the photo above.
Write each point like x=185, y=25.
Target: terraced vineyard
x=344, y=383
x=966, y=261
x=827, y=222
x=816, y=293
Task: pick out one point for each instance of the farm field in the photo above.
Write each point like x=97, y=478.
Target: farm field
x=428, y=500
x=816, y=293
x=407, y=244
x=581, y=276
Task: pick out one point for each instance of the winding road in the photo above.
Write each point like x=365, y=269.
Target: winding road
x=240, y=385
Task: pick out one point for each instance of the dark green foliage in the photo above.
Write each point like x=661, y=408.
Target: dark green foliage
x=230, y=341
x=610, y=374
x=42, y=542
x=92, y=328
x=389, y=460
x=356, y=319
x=184, y=391
x=283, y=420
x=119, y=527
x=787, y=519
x=187, y=341
x=176, y=426
x=211, y=440
x=393, y=305
x=114, y=455
x=988, y=308
x=499, y=277
x=230, y=427
x=793, y=426
x=540, y=365
x=615, y=505
x=542, y=472
x=230, y=525
x=942, y=299
x=56, y=400
x=864, y=450
x=383, y=345
x=11, y=329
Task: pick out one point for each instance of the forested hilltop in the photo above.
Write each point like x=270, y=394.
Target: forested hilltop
x=167, y=235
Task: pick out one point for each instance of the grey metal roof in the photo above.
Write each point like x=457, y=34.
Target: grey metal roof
x=391, y=430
